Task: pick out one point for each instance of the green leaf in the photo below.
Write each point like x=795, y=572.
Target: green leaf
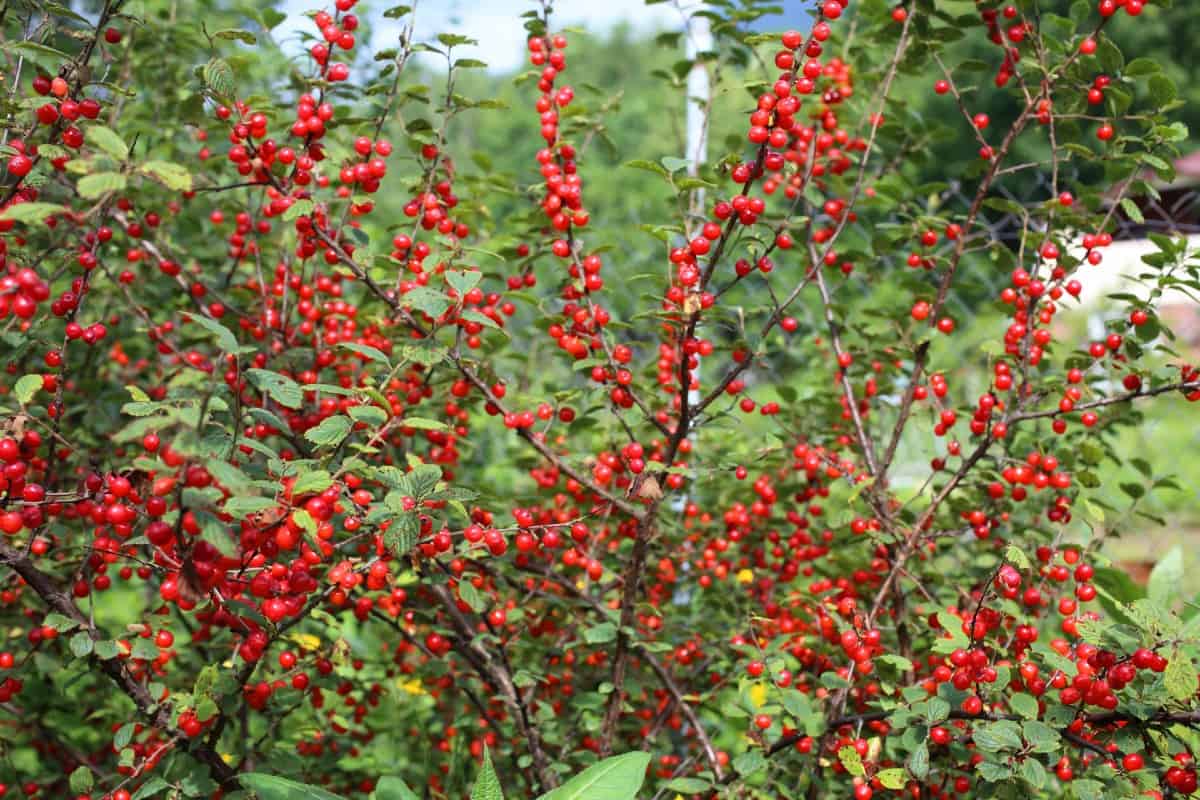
x=45, y=57
x=1162, y=90
x=331, y=431
x=106, y=650
x=298, y=208
x=1132, y=210
x=31, y=212
x=270, y=18
x=1033, y=772
x=401, y=537
x=109, y=141
x=422, y=424
x=918, y=762
x=392, y=788
x=237, y=33
x=1166, y=578
x=852, y=761
x=169, y=174
x=150, y=788
x=674, y=164
x=92, y=186
x=1016, y=556
x=280, y=388
x=472, y=596
x=124, y=735
x=81, y=780
x=893, y=778
x=81, y=645
x=218, y=76
x=429, y=301
x=225, y=338
x=996, y=736
x=269, y=787
x=455, y=39
x=1024, y=704
x=311, y=482
x=1040, y=736
x=27, y=386
x=463, y=281
x=372, y=415
x=616, y=778
x=649, y=166
x=59, y=622
x=487, y=785
x=240, y=507
x=601, y=633
x=1180, y=679
x=367, y=352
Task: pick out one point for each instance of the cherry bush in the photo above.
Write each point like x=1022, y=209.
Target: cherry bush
x=337, y=465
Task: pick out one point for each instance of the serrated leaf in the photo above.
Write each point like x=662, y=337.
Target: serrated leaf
x=1132, y=211
x=893, y=778
x=392, y=788
x=26, y=387
x=108, y=140
x=649, y=166
x=331, y=431
x=225, y=338
x=997, y=736
x=852, y=761
x=45, y=57
x=169, y=174
x=1024, y=704
x=1180, y=678
x=487, y=785
x=106, y=650
x=150, y=788
x=601, y=633
x=280, y=388
x=124, y=735
x=241, y=507
x=422, y=424
x=237, y=34
x=371, y=415
x=367, y=352
x=59, y=622
x=616, y=778
x=92, y=186
x=472, y=596
x=81, y=780
x=426, y=300
x=270, y=787
x=401, y=537
x=31, y=212
x=311, y=482
x=1166, y=578
x=81, y=645
x=218, y=76
x=298, y=208
x=918, y=762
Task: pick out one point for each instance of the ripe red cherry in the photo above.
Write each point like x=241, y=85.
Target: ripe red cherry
x=20, y=165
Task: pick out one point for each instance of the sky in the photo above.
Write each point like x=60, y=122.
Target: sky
x=497, y=24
